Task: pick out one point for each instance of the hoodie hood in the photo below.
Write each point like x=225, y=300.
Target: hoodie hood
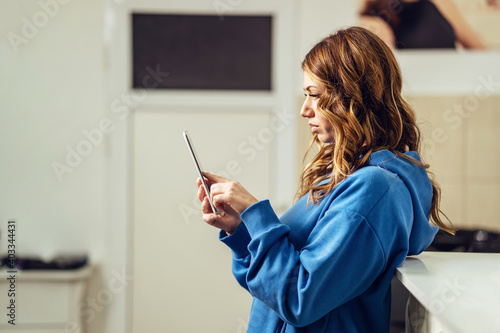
x=417, y=181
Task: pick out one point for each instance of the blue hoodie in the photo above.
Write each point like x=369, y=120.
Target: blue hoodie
x=328, y=267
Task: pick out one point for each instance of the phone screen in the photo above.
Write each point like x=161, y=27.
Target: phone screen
x=189, y=143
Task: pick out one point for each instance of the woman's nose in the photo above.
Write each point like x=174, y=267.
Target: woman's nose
x=306, y=111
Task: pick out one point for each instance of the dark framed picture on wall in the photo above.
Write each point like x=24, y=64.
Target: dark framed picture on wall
x=202, y=52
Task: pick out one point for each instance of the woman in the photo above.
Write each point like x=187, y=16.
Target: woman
x=422, y=24
x=365, y=201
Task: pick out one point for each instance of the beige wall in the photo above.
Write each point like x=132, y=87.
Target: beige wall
x=483, y=19
x=462, y=144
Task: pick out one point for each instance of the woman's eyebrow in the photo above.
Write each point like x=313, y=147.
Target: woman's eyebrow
x=308, y=88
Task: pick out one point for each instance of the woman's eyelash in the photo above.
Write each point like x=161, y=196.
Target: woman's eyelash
x=312, y=95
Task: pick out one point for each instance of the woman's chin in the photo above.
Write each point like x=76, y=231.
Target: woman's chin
x=324, y=138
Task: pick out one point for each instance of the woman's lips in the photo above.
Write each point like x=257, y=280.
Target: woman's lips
x=314, y=128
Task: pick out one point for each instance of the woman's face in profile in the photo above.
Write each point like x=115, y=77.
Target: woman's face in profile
x=319, y=124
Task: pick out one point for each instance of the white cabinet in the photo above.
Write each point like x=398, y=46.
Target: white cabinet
x=45, y=300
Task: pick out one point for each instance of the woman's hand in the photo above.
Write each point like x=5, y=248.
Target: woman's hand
x=229, y=197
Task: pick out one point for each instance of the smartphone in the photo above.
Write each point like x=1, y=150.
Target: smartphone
x=189, y=143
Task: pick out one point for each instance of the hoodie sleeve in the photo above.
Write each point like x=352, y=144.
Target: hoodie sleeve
x=238, y=242
x=341, y=259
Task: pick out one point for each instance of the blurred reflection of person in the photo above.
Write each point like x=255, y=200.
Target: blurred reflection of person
x=414, y=24
x=494, y=3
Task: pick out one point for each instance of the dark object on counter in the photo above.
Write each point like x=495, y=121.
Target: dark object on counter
x=61, y=262
x=467, y=240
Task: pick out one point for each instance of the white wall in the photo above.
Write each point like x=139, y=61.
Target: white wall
x=450, y=72
x=52, y=89
x=51, y=92
x=318, y=18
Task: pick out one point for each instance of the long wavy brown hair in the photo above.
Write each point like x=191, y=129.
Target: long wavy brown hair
x=360, y=83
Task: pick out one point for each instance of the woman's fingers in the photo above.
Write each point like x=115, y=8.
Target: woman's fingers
x=208, y=181
x=227, y=220
x=201, y=192
x=205, y=207
x=215, y=178
x=231, y=194
x=219, y=200
x=201, y=188
x=228, y=196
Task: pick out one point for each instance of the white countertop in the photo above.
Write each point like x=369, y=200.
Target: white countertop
x=461, y=289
